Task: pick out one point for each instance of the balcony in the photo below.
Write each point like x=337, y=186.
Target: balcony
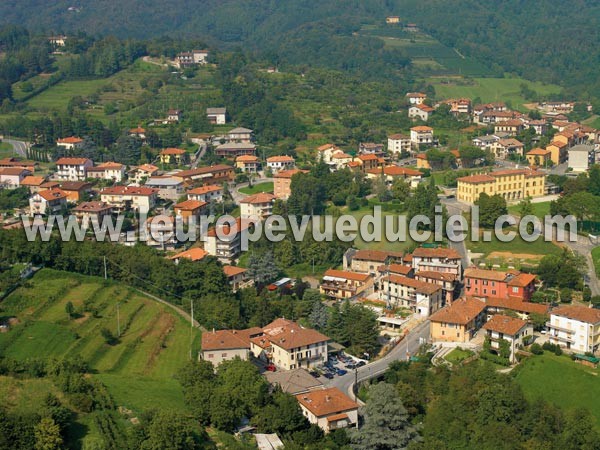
x=556, y=327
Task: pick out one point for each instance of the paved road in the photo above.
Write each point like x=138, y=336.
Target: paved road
x=455, y=208
x=376, y=368
x=584, y=247
x=20, y=147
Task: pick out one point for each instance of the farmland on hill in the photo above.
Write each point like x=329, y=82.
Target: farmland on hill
x=138, y=370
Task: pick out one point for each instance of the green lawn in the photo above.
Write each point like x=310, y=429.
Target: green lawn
x=6, y=150
x=490, y=89
x=458, y=355
x=561, y=381
x=256, y=188
x=154, y=342
x=517, y=245
x=539, y=209
x=57, y=97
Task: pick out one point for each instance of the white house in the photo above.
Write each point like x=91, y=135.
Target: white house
x=444, y=260
x=510, y=329
x=141, y=199
x=283, y=162
x=419, y=296
x=217, y=116
x=420, y=111
x=49, y=201
x=575, y=327
x=415, y=98
x=107, y=171
x=70, y=143
x=259, y=205
x=206, y=194
x=240, y=135
x=581, y=157
x=11, y=177
x=140, y=174
x=421, y=135
x=168, y=188
x=73, y=169
x=399, y=143
x=329, y=408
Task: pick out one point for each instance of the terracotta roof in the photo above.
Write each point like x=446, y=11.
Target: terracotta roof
x=70, y=140
x=558, y=144
x=341, y=155
x=288, y=173
x=395, y=171
x=281, y=158
x=146, y=168
x=421, y=128
x=52, y=194
x=231, y=271
x=419, y=286
x=522, y=280
x=195, y=254
x=400, y=269
x=475, y=179
x=483, y=274
x=509, y=123
x=32, y=181
x=461, y=311
x=324, y=147
x=423, y=252
x=13, y=171
x=435, y=275
x=504, y=324
x=376, y=255
x=72, y=161
x=538, y=151
x=137, y=130
x=92, y=207
x=190, y=205
x=108, y=165
x=288, y=335
x=367, y=157
x=345, y=274
x=204, y=190
x=246, y=158
x=172, y=151
x=580, y=313
x=74, y=186
x=326, y=402
x=128, y=190
x=518, y=305
x=398, y=136
x=203, y=170
x=423, y=107
x=416, y=95
x=223, y=340
x=354, y=164
x=261, y=197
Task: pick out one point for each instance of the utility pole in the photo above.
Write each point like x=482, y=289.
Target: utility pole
x=105, y=271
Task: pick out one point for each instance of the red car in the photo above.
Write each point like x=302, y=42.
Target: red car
x=271, y=368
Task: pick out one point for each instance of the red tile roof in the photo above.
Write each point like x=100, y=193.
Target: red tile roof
x=223, y=340
x=72, y=161
x=282, y=158
x=190, y=205
x=461, y=311
x=204, y=190
x=231, y=271
x=128, y=190
x=326, y=402
x=344, y=274
x=194, y=254
x=52, y=194
x=261, y=197
x=70, y=140
x=289, y=335
x=580, y=313
x=505, y=325
x=172, y=151
x=424, y=252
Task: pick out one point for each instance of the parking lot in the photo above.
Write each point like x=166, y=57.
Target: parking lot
x=336, y=366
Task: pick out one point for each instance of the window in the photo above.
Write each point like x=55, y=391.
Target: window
x=211, y=356
x=223, y=355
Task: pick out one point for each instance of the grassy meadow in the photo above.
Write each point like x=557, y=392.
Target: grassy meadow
x=257, y=188
x=138, y=370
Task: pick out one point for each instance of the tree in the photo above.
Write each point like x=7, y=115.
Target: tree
x=70, y=309
x=387, y=425
x=470, y=154
x=173, y=431
x=262, y=268
x=283, y=416
x=318, y=315
x=400, y=189
x=526, y=209
x=490, y=208
x=47, y=435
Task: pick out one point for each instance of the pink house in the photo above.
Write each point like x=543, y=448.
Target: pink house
x=493, y=283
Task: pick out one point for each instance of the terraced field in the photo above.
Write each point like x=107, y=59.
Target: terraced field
x=138, y=370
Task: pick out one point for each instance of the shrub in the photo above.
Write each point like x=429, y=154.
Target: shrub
x=536, y=349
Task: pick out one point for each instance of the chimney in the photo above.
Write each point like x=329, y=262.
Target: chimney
x=327, y=398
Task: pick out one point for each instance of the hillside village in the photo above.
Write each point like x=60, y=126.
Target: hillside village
x=416, y=300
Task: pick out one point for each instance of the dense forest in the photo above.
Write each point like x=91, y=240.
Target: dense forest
x=548, y=40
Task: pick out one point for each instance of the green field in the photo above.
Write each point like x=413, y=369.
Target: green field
x=138, y=370
x=489, y=89
x=561, y=381
x=596, y=258
x=539, y=209
x=458, y=355
x=6, y=150
x=255, y=189
x=57, y=97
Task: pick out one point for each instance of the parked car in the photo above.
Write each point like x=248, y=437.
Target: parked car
x=271, y=368
x=361, y=363
x=328, y=375
x=314, y=374
x=351, y=365
x=341, y=372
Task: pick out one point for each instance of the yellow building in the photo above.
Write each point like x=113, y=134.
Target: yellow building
x=558, y=151
x=511, y=184
x=422, y=162
x=539, y=157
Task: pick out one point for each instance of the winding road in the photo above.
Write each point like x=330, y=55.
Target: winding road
x=410, y=344
x=20, y=147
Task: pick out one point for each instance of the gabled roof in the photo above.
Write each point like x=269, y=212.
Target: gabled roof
x=72, y=161
x=246, y=158
x=421, y=128
x=395, y=171
x=32, y=181
x=538, y=152
x=216, y=110
x=505, y=325
x=326, y=402
x=13, y=171
x=288, y=173
x=262, y=197
x=518, y=305
x=376, y=255
x=92, y=207
x=288, y=335
x=53, y=194
x=398, y=136
x=204, y=190
x=420, y=286
x=367, y=157
x=293, y=381
x=190, y=205
x=580, y=313
x=194, y=254
x=203, y=170
x=172, y=151
x=74, y=186
x=483, y=274
x=346, y=275
x=281, y=158
x=70, y=140
x=476, y=179
x=435, y=275
x=231, y=271
x=424, y=252
x=128, y=190
x=223, y=340
x=461, y=311
x=149, y=168
x=240, y=130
